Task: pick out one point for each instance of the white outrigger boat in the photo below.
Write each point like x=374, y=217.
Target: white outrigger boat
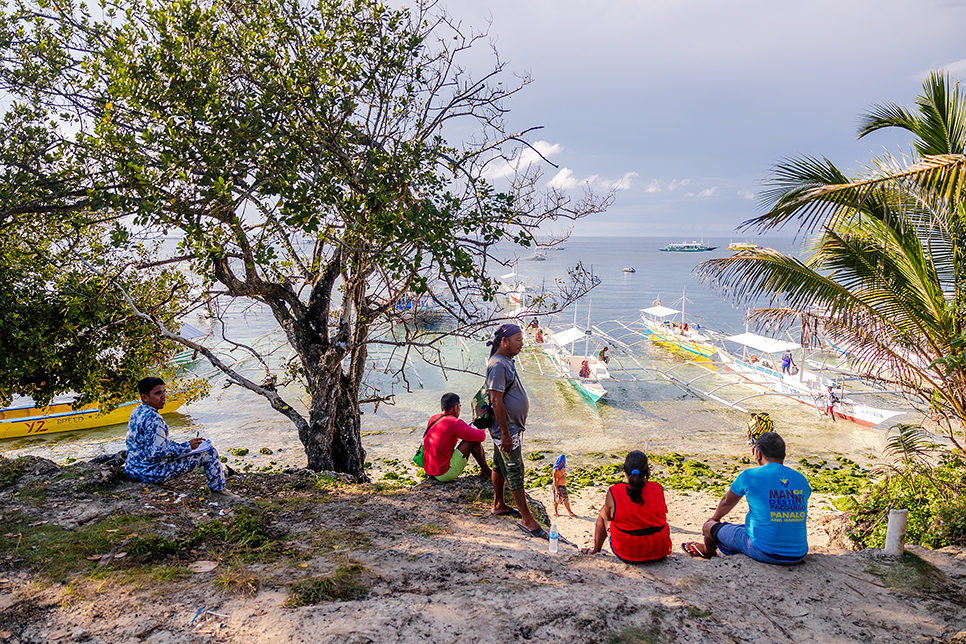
x=584, y=372
x=660, y=327
x=804, y=386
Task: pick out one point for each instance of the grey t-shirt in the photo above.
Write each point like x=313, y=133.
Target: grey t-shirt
x=499, y=374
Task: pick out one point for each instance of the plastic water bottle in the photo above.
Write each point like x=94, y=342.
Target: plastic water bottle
x=553, y=537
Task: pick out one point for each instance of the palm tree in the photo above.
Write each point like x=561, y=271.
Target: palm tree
x=886, y=273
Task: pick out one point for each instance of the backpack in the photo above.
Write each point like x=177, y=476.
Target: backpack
x=483, y=417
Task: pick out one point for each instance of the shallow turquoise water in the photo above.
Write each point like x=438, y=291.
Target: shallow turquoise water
x=637, y=414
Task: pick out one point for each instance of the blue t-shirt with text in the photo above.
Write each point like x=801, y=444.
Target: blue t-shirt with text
x=777, y=505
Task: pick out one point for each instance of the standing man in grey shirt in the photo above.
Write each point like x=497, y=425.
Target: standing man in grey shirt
x=510, y=409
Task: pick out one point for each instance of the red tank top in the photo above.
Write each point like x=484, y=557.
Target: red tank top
x=640, y=532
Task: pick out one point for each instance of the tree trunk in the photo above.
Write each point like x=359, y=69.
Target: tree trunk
x=333, y=435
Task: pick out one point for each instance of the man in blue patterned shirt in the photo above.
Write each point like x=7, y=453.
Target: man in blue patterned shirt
x=153, y=458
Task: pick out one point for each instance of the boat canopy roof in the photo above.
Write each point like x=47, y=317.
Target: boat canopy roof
x=566, y=337
x=762, y=343
x=660, y=311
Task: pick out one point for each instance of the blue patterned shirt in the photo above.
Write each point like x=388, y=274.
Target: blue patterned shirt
x=149, y=449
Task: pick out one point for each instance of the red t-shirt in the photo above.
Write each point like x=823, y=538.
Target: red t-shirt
x=630, y=517
x=441, y=440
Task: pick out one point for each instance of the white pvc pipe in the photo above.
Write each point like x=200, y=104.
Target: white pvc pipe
x=895, y=540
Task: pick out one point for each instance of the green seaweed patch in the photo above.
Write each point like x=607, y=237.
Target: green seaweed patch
x=847, y=478
x=577, y=477
x=238, y=451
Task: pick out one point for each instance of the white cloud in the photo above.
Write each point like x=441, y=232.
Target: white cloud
x=956, y=70
x=707, y=192
x=621, y=184
x=500, y=168
x=653, y=186
x=565, y=180
x=746, y=194
x=677, y=184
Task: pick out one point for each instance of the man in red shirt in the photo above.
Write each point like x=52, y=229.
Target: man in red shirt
x=449, y=442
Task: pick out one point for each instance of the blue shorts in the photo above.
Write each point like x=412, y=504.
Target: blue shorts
x=731, y=539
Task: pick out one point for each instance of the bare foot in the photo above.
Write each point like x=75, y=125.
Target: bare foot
x=572, y=514
x=588, y=551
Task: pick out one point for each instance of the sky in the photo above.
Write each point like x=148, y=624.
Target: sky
x=685, y=105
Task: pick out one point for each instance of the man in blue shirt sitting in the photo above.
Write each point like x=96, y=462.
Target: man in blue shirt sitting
x=774, y=528
x=154, y=458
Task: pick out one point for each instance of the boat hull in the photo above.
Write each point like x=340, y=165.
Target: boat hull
x=800, y=392
x=29, y=421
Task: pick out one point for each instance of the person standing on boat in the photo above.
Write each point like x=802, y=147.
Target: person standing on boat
x=787, y=362
x=153, y=458
x=510, y=409
x=774, y=528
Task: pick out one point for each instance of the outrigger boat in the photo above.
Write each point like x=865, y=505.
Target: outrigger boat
x=735, y=246
x=584, y=372
x=27, y=420
x=804, y=386
x=660, y=327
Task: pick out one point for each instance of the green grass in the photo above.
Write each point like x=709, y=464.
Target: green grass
x=11, y=470
x=910, y=573
x=344, y=585
x=429, y=530
x=59, y=552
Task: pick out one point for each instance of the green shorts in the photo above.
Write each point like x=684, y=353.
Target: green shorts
x=510, y=466
x=457, y=463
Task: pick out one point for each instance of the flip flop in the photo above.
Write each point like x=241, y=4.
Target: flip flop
x=512, y=512
x=537, y=532
x=691, y=549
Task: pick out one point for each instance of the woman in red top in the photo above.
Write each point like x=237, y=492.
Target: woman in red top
x=636, y=514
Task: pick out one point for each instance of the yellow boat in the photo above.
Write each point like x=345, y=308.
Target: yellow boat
x=60, y=417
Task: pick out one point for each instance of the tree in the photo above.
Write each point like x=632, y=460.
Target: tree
x=64, y=327
x=887, y=275
x=300, y=154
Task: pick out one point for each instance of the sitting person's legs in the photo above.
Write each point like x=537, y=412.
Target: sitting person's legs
x=457, y=463
x=732, y=539
x=209, y=460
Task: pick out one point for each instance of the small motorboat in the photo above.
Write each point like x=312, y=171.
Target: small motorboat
x=27, y=420
x=630, y=269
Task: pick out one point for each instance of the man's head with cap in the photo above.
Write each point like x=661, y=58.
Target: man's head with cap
x=507, y=341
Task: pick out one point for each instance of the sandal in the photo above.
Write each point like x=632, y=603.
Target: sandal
x=512, y=512
x=537, y=532
x=692, y=550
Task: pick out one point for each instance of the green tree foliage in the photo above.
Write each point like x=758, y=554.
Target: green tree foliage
x=887, y=274
x=300, y=154
x=926, y=480
x=63, y=326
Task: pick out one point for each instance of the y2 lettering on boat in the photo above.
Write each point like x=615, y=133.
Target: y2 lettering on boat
x=36, y=426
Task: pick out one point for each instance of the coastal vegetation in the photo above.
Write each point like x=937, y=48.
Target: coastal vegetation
x=886, y=279
x=279, y=156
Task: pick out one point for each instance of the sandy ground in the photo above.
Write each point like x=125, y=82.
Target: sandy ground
x=440, y=569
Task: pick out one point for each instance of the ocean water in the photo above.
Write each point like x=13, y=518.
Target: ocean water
x=641, y=411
